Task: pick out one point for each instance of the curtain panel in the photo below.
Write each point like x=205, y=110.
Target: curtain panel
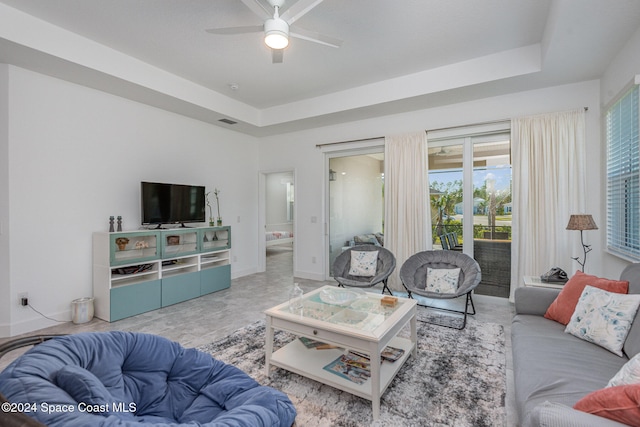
x=549, y=184
x=407, y=213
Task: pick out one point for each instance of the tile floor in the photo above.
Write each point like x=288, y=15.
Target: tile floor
x=208, y=318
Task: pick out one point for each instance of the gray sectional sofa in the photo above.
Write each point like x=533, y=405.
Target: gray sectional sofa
x=553, y=369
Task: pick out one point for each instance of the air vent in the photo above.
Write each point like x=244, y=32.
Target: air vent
x=227, y=121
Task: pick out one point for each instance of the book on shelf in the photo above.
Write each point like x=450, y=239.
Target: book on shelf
x=318, y=345
x=390, y=354
x=351, y=367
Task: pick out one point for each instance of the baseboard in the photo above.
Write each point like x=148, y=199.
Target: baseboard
x=308, y=275
x=249, y=271
x=34, y=324
x=5, y=330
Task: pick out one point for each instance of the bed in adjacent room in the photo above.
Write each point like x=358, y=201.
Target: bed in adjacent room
x=277, y=234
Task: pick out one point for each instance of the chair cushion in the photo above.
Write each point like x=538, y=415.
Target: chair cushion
x=148, y=380
x=85, y=387
x=413, y=272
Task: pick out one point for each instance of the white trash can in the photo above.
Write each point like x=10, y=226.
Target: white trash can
x=82, y=310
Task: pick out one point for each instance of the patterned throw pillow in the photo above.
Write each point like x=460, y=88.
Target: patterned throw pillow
x=603, y=318
x=363, y=263
x=628, y=374
x=562, y=308
x=443, y=280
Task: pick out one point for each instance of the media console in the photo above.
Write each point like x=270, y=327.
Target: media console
x=139, y=271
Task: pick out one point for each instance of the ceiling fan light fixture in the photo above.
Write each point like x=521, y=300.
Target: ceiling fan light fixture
x=276, y=33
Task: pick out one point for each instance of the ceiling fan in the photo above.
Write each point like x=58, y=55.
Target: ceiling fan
x=277, y=29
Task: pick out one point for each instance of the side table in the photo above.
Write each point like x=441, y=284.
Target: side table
x=535, y=281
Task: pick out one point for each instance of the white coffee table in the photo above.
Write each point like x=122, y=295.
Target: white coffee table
x=364, y=326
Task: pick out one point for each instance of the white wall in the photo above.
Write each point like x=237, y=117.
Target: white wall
x=299, y=149
x=5, y=286
x=76, y=156
x=622, y=70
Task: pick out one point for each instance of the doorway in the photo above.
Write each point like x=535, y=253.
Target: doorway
x=277, y=222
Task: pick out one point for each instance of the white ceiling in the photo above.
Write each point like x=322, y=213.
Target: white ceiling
x=396, y=55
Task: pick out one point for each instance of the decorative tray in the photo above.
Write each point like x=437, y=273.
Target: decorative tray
x=339, y=296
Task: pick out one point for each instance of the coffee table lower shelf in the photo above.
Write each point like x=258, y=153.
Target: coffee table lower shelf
x=309, y=362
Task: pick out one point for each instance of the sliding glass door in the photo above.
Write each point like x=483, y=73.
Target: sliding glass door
x=355, y=201
x=446, y=195
x=470, y=186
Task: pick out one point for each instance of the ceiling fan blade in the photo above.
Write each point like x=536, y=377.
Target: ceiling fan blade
x=236, y=30
x=257, y=8
x=312, y=36
x=277, y=56
x=299, y=9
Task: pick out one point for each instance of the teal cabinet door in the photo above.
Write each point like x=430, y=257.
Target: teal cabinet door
x=177, y=243
x=127, y=301
x=214, y=238
x=215, y=279
x=180, y=287
x=133, y=247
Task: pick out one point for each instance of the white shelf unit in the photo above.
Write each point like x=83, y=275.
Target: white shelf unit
x=174, y=265
x=214, y=259
x=309, y=362
x=179, y=265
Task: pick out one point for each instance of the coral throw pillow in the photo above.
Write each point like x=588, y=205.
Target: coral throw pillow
x=564, y=305
x=620, y=403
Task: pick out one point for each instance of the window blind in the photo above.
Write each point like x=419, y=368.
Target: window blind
x=623, y=176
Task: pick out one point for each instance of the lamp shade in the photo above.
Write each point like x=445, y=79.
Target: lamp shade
x=276, y=33
x=581, y=222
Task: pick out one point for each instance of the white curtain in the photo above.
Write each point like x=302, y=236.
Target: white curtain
x=407, y=214
x=549, y=185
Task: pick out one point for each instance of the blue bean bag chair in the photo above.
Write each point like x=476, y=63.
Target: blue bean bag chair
x=131, y=380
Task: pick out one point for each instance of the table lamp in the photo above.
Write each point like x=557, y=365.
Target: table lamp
x=582, y=222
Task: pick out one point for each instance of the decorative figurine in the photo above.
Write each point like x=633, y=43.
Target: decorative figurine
x=111, y=230
x=122, y=243
x=141, y=244
x=119, y=223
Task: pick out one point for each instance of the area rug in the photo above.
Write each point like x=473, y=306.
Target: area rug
x=458, y=379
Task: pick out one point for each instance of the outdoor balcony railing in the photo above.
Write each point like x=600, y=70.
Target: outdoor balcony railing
x=499, y=232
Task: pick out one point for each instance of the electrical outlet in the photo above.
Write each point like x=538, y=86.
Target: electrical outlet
x=23, y=299
x=313, y=260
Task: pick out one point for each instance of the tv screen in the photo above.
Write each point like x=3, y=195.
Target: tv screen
x=171, y=203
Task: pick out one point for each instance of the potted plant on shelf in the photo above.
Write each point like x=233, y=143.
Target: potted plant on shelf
x=211, y=222
x=215, y=193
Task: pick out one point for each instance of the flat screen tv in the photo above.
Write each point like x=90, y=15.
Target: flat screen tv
x=172, y=203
